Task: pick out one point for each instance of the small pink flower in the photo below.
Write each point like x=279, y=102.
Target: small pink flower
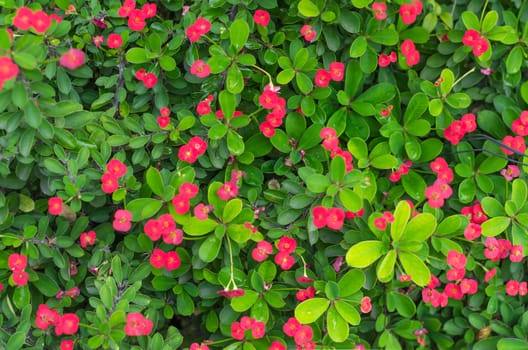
x=308, y=32
x=200, y=69
x=72, y=59
x=122, y=220
x=511, y=172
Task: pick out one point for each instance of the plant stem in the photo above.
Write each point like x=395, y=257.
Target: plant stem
x=463, y=76
x=265, y=72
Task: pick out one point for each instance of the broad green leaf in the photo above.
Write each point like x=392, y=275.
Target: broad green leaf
x=32, y=115
x=353, y=79
x=420, y=228
x=232, y=209
x=364, y=253
x=163, y=283
x=435, y=107
x=385, y=267
x=361, y=3
x=46, y=285
x=16, y=340
x=350, y=200
x=379, y=93
x=404, y=305
x=358, y=47
x=307, y=8
x=25, y=60
x=154, y=181
x=285, y=76
x=281, y=141
x=515, y=60
x=470, y=20
x=337, y=169
x=348, y=312
x=385, y=161
x=524, y=91
x=234, y=80
x=227, y=104
x=351, y=282
x=494, y=226
x=448, y=78
x=238, y=34
x=416, y=107
x=167, y=63
x=245, y=302
x=210, y=248
x=357, y=147
x=452, y=224
x=416, y=268
x=143, y=208
x=137, y=55
x=235, y=143
x=196, y=227
x=317, y=183
x=310, y=310
x=401, y=216
x=458, y=100
x=490, y=21
x=337, y=327
x=519, y=192
x=512, y=344
x=387, y=37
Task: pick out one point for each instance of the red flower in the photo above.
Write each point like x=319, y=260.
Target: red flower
x=198, y=145
x=517, y=253
x=286, y=244
x=408, y=13
x=319, y=214
x=275, y=345
x=236, y=331
x=304, y=294
x=468, y=286
x=407, y=47
x=46, y=317
x=174, y=236
x=40, y=21
x=87, y=238
x=383, y=61
x=308, y=32
x=149, y=10
x=201, y=211
x=413, y=58
x=140, y=74
x=163, y=121
x=114, y=41
x=116, y=168
x=23, y=18
x=515, y=142
x=512, y=288
x=492, y=250
x=125, y=9
x=203, y=25
x=137, y=324
x=335, y=218
x=188, y=190
x=55, y=205
x=365, y=305
x=284, y=260
x=181, y=204
x=380, y=10
x=109, y=183
x=227, y=191
x=98, y=40
x=267, y=129
x=17, y=262
x=72, y=59
x=322, y=78
x=67, y=324
x=150, y=80
x=200, y=69
x=136, y=20
x=439, y=165
x=8, y=69
x=158, y=258
x=472, y=231
x=261, y=252
x=122, y=220
x=337, y=71
x=187, y=154
x=196, y=346
x=455, y=274
x=268, y=99
x=303, y=335
x=193, y=33
x=274, y=120
x=258, y=330
x=164, y=111
x=453, y=291
x=261, y=17
x=172, y=261
x=470, y=37
x=203, y=107
x=291, y=326
x=66, y=344
x=480, y=47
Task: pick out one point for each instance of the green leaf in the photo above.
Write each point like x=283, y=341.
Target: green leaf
x=304, y=83
x=350, y=200
x=217, y=132
x=358, y=47
x=524, y=91
x=420, y=228
x=235, y=143
x=494, y=226
x=351, y=282
x=218, y=63
x=458, y=100
x=416, y=268
x=25, y=60
x=163, y=283
x=234, y=80
x=490, y=21
x=491, y=165
x=361, y=3
x=364, y=253
x=470, y=20
x=348, y=312
x=16, y=340
x=196, y=227
x=514, y=60
x=337, y=169
x=402, y=214
x=310, y=310
x=385, y=267
x=337, y=327
x=245, y=302
x=416, y=107
x=379, y=93
x=519, y=192
x=54, y=166
x=452, y=224
x=404, y=305
x=137, y=55
x=46, y=285
x=308, y=9
x=232, y=209
x=353, y=79
x=436, y=106
x=512, y=344
x=143, y=208
x=385, y=161
x=238, y=34
x=154, y=181
x=32, y=115
x=387, y=37
x=317, y=183
x=281, y=141
x=167, y=63
x=210, y=248
x=448, y=78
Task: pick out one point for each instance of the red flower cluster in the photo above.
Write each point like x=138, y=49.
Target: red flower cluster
x=402, y=170
x=334, y=218
x=476, y=216
x=136, y=17
x=164, y=227
x=301, y=334
x=350, y=215
x=200, y=27
x=163, y=119
x=148, y=79
x=72, y=59
x=122, y=220
x=169, y=260
x=286, y=246
x=67, y=324
x=39, y=20
x=238, y=329
x=18, y=263
x=192, y=150
x=408, y=12
x=8, y=69
x=331, y=143
x=440, y=190
x=384, y=60
x=381, y=222
x=335, y=72
x=519, y=125
x=87, y=238
x=304, y=294
x=261, y=251
x=513, y=142
x=380, y=10
x=408, y=50
x=261, y=17
x=137, y=324
x=220, y=115
x=182, y=201
x=55, y=205
x=308, y=32
x=478, y=43
x=204, y=107
x=497, y=249
x=458, y=128
x=115, y=169
x=515, y=288
x=269, y=99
